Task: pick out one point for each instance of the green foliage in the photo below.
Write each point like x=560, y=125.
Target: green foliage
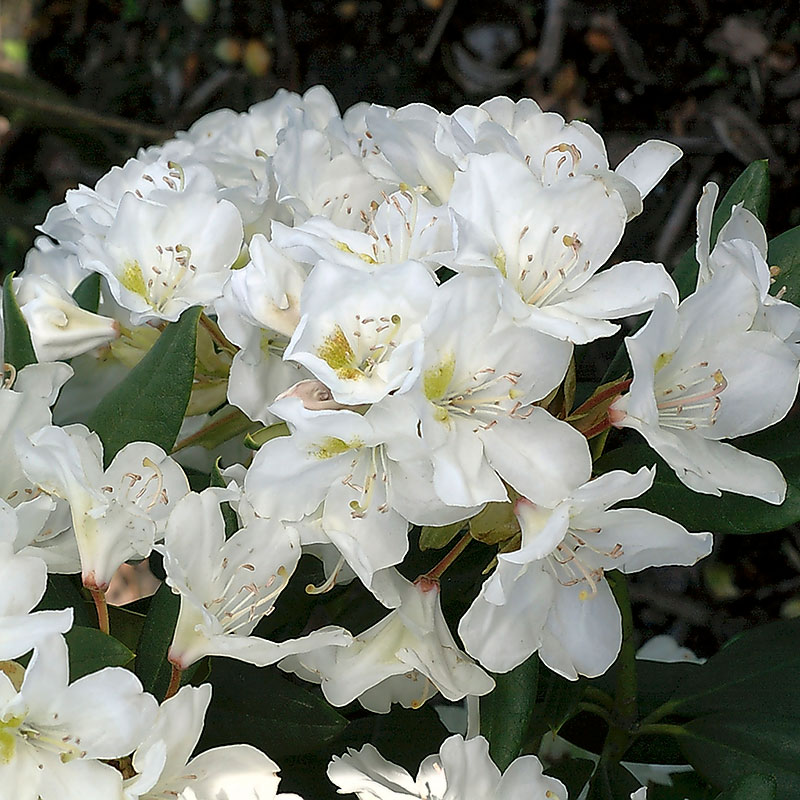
x=260, y=707
x=784, y=253
x=752, y=787
x=91, y=650
x=740, y=710
x=18, y=349
x=62, y=592
x=87, y=293
x=435, y=537
x=152, y=666
x=731, y=513
x=506, y=712
x=149, y=404
x=611, y=782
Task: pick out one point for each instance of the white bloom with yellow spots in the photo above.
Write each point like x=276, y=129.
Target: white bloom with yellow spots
x=54, y=735
x=480, y=375
x=551, y=596
x=361, y=334
x=160, y=258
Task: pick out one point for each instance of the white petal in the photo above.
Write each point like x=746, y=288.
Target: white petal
x=648, y=164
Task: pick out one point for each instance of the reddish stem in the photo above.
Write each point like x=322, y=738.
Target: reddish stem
x=174, y=681
x=618, y=388
x=99, y=597
x=436, y=573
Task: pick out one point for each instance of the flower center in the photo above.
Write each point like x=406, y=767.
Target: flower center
x=67, y=747
x=690, y=398
x=567, y=567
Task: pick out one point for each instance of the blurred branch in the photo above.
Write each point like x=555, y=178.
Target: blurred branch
x=84, y=115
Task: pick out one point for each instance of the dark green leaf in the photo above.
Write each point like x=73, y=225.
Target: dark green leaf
x=573, y=773
x=784, y=252
x=611, y=782
x=685, y=786
x=752, y=787
x=91, y=650
x=731, y=513
x=87, y=293
x=261, y=707
x=752, y=189
x=152, y=666
x=18, y=349
x=506, y=712
x=558, y=700
x=742, y=707
x=126, y=625
x=149, y=404
x=61, y=593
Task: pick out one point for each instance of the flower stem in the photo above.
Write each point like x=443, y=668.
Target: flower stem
x=216, y=334
x=436, y=573
x=174, y=682
x=99, y=597
x=663, y=729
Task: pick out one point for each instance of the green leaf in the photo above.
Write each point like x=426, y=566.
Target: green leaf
x=742, y=707
x=611, y=782
x=558, y=700
x=507, y=711
x=731, y=513
x=61, y=593
x=752, y=189
x=152, y=666
x=574, y=773
x=18, y=348
x=435, y=537
x=126, y=625
x=87, y=293
x=260, y=707
x=685, y=786
x=784, y=253
x=91, y=650
x=752, y=787
x=149, y=404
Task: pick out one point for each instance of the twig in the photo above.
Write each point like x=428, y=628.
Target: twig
x=424, y=55
x=149, y=132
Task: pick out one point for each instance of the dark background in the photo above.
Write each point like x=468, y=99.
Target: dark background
x=83, y=83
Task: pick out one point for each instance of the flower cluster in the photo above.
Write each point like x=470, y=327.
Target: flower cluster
x=397, y=294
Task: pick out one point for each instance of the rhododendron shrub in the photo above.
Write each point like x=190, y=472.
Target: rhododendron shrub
x=319, y=369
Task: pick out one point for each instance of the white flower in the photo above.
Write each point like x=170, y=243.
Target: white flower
x=58, y=326
x=53, y=735
x=551, y=596
x=463, y=770
x=23, y=580
x=360, y=334
x=159, y=258
x=701, y=374
x=555, y=150
x=166, y=769
x=548, y=243
x=404, y=227
x=259, y=311
x=41, y=520
x=115, y=513
x=336, y=459
x=480, y=374
x=742, y=245
x=227, y=586
x=405, y=658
